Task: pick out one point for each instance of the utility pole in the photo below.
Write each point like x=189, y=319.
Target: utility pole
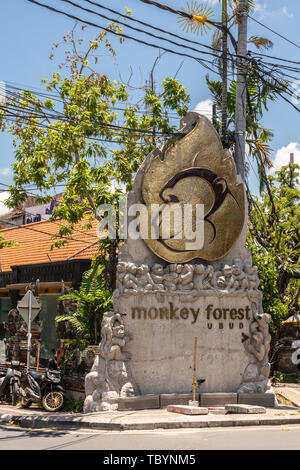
x=224, y=69
x=241, y=90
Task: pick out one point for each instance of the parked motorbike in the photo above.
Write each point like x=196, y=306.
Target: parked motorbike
x=10, y=382
x=44, y=388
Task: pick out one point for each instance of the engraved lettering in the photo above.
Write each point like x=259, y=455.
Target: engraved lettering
x=172, y=312
x=184, y=313
x=225, y=310
x=247, y=313
x=233, y=314
x=217, y=313
x=151, y=315
x=139, y=311
x=240, y=313
x=164, y=313
x=195, y=315
x=208, y=309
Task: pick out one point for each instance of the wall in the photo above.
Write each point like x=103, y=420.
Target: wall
x=47, y=315
x=5, y=306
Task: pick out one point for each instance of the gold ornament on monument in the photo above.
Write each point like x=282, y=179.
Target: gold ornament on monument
x=193, y=172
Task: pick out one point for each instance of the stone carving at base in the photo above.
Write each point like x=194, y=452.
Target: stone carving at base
x=16, y=344
x=110, y=377
x=187, y=279
x=256, y=374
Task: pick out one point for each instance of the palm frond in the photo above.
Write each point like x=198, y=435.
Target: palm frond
x=260, y=42
x=264, y=151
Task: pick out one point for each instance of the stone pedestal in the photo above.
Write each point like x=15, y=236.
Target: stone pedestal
x=169, y=294
x=163, y=333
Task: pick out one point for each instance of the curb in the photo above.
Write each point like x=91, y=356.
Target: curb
x=38, y=422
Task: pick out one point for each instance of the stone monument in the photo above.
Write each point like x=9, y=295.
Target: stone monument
x=171, y=289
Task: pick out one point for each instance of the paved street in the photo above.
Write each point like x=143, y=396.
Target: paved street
x=254, y=438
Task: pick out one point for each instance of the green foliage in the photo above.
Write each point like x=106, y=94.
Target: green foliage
x=259, y=95
x=6, y=243
x=274, y=239
x=90, y=139
x=267, y=273
x=91, y=301
x=72, y=405
x=73, y=148
x=281, y=377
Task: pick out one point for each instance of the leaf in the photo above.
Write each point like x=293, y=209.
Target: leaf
x=261, y=42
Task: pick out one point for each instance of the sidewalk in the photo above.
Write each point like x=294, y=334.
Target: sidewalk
x=144, y=419
x=291, y=392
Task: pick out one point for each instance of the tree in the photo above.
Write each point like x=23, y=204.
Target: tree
x=6, y=243
x=274, y=239
x=69, y=137
x=259, y=94
x=259, y=91
x=90, y=303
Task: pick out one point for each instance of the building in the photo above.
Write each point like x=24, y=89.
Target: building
x=36, y=258
x=29, y=211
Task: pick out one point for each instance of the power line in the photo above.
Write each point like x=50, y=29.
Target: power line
x=62, y=117
x=272, y=30
x=113, y=108
x=126, y=36
x=133, y=28
x=162, y=6
x=42, y=231
x=30, y=115
x=212, y=53
x=42, y=218
x=186, y=15
x=76, y=18
x=148, y=25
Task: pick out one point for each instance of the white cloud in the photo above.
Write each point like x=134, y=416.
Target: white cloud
x=3, y=208
x=2, y=92
x=204, y=107
x=264, y=11
x=4, y=171
x=282, y=156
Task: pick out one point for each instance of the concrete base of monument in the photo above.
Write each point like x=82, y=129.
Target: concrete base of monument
x=245, y=409
x=162, y=333
x=187, y=410
x=204, y=400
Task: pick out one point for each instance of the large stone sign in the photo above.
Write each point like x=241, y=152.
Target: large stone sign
x=168, y=292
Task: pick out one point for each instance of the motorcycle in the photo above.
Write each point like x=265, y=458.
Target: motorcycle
x=10, y=382
x=44, y=388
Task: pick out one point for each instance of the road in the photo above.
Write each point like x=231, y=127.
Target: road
x=243, y=438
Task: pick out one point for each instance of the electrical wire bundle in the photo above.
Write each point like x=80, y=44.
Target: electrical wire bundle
x=273, y=72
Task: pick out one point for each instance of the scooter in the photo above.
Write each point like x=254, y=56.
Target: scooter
x=44, y=388
x=10, y=382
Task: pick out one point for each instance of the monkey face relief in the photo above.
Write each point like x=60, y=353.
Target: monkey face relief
x=217, y=317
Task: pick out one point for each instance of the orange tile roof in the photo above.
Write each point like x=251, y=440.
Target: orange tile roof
x=35, y=242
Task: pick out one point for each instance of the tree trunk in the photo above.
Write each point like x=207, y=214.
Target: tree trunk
x=282, y=282
x=111, y=265
x=224, y=69
x=241, y=85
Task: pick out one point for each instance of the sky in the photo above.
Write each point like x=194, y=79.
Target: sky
x=28, y=32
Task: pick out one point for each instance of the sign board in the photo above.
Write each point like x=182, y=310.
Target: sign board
x=23, y=307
